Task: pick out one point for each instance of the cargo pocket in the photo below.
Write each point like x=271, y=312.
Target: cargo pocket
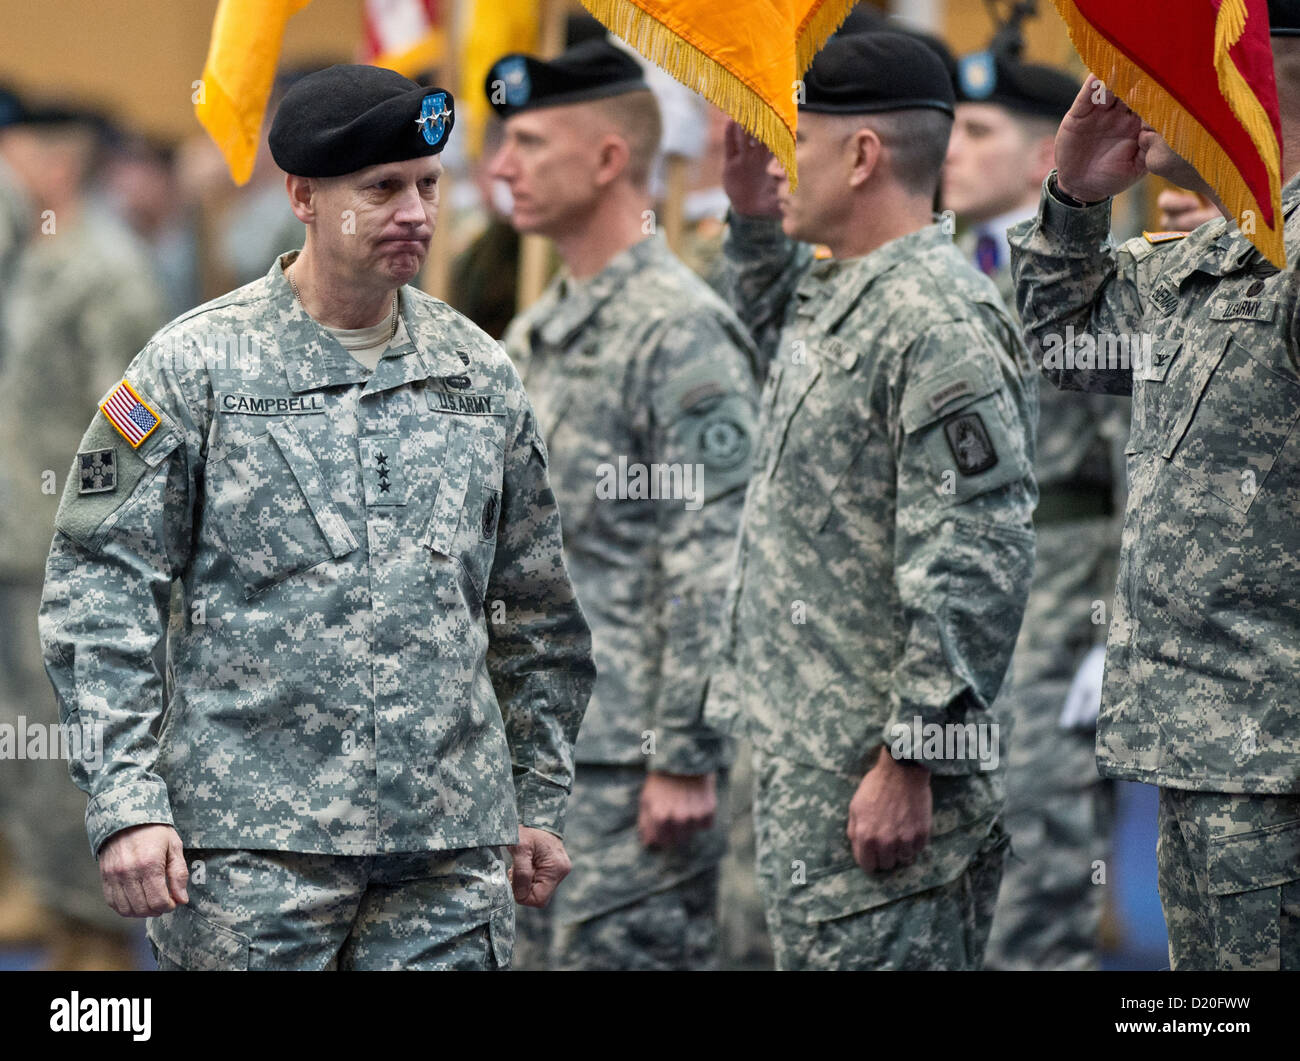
x=270, y=503
x=1227, y=439
x=501, y=936
x=186, y=940
x=1251, y=876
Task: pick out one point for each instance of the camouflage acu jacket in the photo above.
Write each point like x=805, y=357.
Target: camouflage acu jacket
x=380, y=630
x=644, y=385
x=886, y=546
x=1202, y=664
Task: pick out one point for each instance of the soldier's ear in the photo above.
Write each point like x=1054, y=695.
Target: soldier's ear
x=612, y=158
x=302, y=197
x=867, y=150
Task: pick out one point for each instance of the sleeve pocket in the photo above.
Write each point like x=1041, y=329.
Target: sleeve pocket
x=962, y=420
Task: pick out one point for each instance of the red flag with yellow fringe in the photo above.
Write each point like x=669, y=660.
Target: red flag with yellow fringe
x=745, y=56
x=1199, y=72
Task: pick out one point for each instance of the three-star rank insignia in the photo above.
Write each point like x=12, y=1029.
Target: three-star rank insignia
x=381, y=469
x=98, y=470
x=491, y=513
x=436, y=119
x=969, y=441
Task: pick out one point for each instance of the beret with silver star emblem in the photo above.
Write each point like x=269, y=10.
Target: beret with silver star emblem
x=347, y=117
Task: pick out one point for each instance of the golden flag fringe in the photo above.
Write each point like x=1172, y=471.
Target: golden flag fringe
x=684, y=56
x=1228, y=28
x=1149, y=100
x=243, y=54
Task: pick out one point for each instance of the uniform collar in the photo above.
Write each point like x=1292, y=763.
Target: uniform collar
x=570, y=306
x=314, y=359
x=1219, y=248
x=831, y=288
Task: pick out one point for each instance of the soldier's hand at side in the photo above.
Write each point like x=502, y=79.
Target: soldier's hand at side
x=1097, y=153
x=540, y=863
x=890, y=815
x=749, y=186
x=142, y=870
x=675, y=805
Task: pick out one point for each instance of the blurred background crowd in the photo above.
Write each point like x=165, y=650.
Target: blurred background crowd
x=117, y=213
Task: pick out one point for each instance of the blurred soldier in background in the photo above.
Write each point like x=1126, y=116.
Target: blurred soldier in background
x=636, y=367
x=83, y=300
x=886, y=545
x=1057, y=804
x=142, y=186
x=20, y=912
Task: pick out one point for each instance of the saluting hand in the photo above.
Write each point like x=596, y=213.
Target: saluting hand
x=1097, y=150
x=749, y=186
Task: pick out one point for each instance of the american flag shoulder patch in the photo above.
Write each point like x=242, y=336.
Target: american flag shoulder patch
x=127, y=412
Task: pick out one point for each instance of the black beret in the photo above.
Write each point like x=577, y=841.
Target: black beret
x=592, y=69
x=11, y=107
x=1284, y=18
x=1025, y=88
x=860, y=73
x=345, y=118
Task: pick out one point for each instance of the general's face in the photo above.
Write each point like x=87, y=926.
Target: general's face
x=380, y=220
x=548, y=161
x=989, y=169
x=815, y=210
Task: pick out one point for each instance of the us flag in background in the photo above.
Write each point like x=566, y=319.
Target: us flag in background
x=403, y=35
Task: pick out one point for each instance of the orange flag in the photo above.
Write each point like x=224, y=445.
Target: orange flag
x=1199, y=72
x=230, y=101
x=744, y=56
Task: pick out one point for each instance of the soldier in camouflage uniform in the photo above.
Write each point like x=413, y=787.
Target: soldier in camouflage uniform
x=20, y=911
x=82, y=301
x=382, y=665
x=1201, y=672
x=886, y=545
x=634, y=364
x=1057, y=804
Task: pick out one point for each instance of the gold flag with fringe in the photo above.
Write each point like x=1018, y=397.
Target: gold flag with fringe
x=746, y=56
x=230, y=101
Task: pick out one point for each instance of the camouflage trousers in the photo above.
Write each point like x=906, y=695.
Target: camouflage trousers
x=1050, y=904
x=1229, y=872
x=742, y=924
x=44, y=812
x=625, y=906
x=833, y=919
x=288, y=910
x=1058, y=806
